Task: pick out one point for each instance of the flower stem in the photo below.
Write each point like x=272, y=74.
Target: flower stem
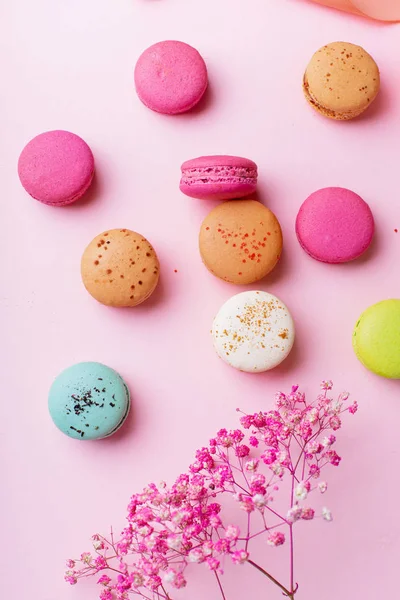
x=220, y=585
x=275, y=581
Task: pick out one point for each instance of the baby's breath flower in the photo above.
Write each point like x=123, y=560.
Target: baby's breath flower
x=170, y=527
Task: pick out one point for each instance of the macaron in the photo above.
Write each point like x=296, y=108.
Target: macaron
x=341, y=81
x=253, y=332
x=240, y=241
x=89, y=401
x=56, y=167
x=120, y=268
x=170, y=77
x=218, y=177
x=335, y=225
x=376, y=338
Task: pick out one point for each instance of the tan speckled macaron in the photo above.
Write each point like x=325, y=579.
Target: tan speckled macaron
x=240, y=241
x=341, y=81
x=120, y=268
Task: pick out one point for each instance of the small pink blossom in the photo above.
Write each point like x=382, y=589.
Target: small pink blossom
x=301, y=491
x=260, y=500
x=326, y=385
x=232, y=532
x=196, y=555
x=353, y=408
x=294, y=514
x=104, y=580
x=307, y=514
x=70, y=563
x=239, y=557
x=322, y=486
x=70, y=577
x=326, y=514
x=86, y=558
x=314, y=471
x=275, y=538
x=213, y=563
x=247, y=504
x=335, y=423
x=252, y=465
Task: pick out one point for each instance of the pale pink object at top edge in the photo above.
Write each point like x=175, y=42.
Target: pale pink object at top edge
x=382, y=10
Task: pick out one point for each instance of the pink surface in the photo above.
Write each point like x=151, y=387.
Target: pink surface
x=335, y=225
x=218, y=177
x=170, y=77
x=70, y=65
x=56, y=167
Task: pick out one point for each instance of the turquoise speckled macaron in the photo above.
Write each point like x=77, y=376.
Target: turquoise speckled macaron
x=89, y=401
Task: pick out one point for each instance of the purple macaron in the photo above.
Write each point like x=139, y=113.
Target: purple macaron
x=335, y=225
x=218, y=177
x=56, y=167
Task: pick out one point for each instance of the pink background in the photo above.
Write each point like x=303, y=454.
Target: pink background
x=70, y=65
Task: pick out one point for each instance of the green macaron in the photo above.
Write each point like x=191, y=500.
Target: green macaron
x=376, y=339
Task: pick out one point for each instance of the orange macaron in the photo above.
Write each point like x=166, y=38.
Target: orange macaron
x=120, y=268
x=341, y=81
x=240, y=241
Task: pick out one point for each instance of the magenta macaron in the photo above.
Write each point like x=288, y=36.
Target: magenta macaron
x=335, y=225
x=170, y=77
x=56, y=167
x=218, y=177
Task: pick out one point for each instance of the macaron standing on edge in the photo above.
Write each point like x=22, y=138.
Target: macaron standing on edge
x=170, y=77
x=253, y=332
x=376, y=338
x=56, y=167
x=341, y=81
x=335, y=225
x=120, y=268
x=89, y=401
x=240, y=241
x=218, y=177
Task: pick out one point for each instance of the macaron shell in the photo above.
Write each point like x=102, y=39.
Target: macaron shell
x=335, y=225
x=253, y=332
x=240, y=241
x=218, y=177
x=170, y=77
x=341, y=80
x=120, y=268
x=56, y=167
x=376, y=339
x=89, y=401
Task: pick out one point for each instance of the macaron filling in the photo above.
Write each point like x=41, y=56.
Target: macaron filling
x=219, y=174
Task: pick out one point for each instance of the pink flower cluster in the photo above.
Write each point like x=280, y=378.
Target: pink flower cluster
x=170, y=527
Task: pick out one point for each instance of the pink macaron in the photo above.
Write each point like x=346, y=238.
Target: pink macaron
x=56, y=167
x=170, y=77
x=218, y=177
x=335, y=225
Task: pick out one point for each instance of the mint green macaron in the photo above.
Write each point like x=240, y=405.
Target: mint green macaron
x=89, y=401
x=376, y=339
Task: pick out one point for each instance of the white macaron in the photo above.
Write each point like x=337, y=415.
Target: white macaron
x=253, y=332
